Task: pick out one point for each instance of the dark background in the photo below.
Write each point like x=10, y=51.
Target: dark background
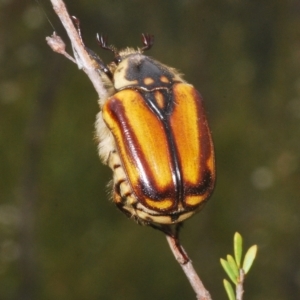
x=61, y=237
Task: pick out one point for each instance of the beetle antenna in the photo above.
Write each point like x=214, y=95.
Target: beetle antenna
x=102, y=42
x=147, y=40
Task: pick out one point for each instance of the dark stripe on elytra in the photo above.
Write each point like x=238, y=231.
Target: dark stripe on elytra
x=207, y=179
x=205, y=186
x=163, y=115
x=117, y=113
x=205, y=141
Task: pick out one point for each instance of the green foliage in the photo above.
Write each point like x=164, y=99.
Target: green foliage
x=249, y=258
x=229, y=290
x=232, y=265
x=237, y=246
x=230, y=272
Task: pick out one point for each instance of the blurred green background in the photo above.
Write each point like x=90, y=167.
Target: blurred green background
x=61, y=237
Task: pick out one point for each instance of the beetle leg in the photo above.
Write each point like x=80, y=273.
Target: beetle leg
x=174, y=234
x=99, y=63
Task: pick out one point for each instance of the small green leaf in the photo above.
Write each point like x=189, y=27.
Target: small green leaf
x=228, y=270
x=249, y=258
x=233, y=265
x=229, y=290
x=238, y=248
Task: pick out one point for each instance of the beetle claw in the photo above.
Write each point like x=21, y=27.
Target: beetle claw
x=76, y=22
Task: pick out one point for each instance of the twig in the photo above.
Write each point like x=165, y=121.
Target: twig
x=188, y=269
x=84, y=61
x=82, y=57
x=239, y=287
x=57, y=45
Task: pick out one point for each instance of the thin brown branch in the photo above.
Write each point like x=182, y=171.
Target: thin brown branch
x=239, y=287
x=56, y=43
x=82, y=57
x=188, y=269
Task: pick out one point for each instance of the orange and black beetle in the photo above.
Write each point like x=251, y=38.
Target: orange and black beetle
x=153, y=134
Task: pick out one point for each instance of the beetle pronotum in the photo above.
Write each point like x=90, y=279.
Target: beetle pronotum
x=153, y=133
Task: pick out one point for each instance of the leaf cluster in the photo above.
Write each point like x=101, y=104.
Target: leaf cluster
x=236, y=269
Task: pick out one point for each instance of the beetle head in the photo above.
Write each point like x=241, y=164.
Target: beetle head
x=147, y=40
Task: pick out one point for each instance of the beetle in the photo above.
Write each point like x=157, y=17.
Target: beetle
x=153, y=133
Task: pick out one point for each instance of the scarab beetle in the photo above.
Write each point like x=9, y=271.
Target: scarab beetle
x=153, y=133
